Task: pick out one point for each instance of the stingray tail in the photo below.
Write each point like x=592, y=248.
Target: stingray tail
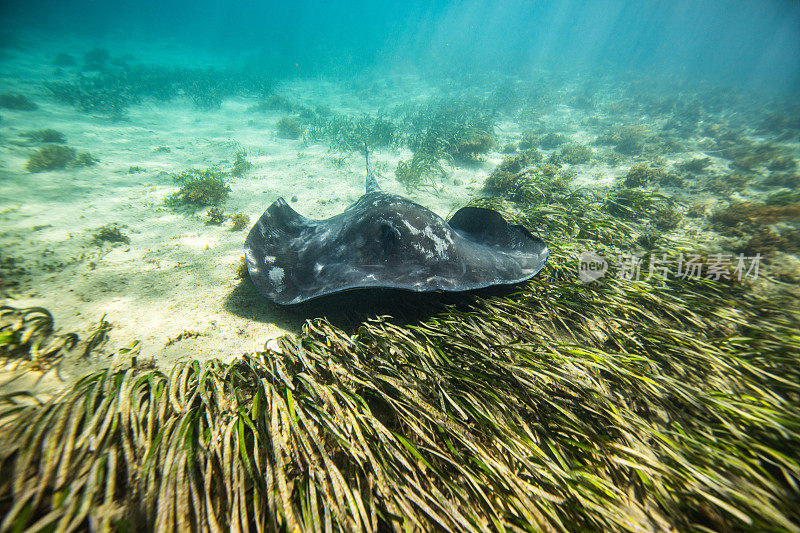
x=372, y=183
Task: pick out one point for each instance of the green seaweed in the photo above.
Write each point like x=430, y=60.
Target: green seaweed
x=469, y=148
x=241, y=165
x=112, y=91
x=509, y=148
x=84, y=159
x=552, y=140
x=528, y=140
x=96, y=59
x=347, y=134
x=239, y=221
x=648, y=176
x=110, y=233
x=783, y=198
x=667, y=218
x=747, y=217
x=45, y=136
x=627, y=140
x=63, y=59
x=50, y=158
x=275, y=102
x=726, y=185
x=694, y=166
x=419, y=171
x=216, y=216
x=575, y=153
x=517, y=187
x=782, y=163
x=766, y=241
x=781, y=179
x=440, y=127
x=634, y=203
x=519, y=161
x=17, y=102
x=199, y=188
x=289, y=128
x=540, y=185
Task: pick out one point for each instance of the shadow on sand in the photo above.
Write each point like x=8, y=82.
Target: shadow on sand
x=349, y=309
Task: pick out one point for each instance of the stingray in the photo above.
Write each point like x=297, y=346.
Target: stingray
x=386, y=241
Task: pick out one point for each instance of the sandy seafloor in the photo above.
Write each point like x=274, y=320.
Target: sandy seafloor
x=179, y=274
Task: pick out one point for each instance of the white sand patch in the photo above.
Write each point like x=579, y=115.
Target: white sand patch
x=203, y=242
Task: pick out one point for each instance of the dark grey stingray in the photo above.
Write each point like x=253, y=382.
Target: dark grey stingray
x=386, y=241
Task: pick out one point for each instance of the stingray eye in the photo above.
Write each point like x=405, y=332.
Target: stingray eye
x=390, y=236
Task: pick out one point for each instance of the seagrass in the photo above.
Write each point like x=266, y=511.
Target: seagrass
x=621, y=406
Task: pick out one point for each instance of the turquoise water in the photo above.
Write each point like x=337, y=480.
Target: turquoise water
x=744, y=43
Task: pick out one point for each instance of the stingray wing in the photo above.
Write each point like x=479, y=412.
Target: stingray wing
x=271, y=250
x=386, y=241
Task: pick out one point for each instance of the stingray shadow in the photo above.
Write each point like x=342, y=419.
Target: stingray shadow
x=348, y=310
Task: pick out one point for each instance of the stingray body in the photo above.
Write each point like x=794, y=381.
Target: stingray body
x=386, y=241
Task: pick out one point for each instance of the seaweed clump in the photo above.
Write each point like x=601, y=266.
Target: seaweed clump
x=551, y=141
x=667, y=218
x=96, y=59
x=780, y=179
x=216, y=216
x=289, y=128
x=64, y=60
x=241, y=165
x=745, y=217
x=757, y=224
x=643, y=175
x=45, y=136
x=534, y=186
x=242, y=271
x=419, y=171
x=17, y=102
x=239, y=221
x=111, y=91
x=517, y=162
x=451, y=128
x=635, y=203
x=110, y=233
x=199, y=188
x=783, y=198
x=725, y=185
x=29, y=338
x=84, y=159
x=469, y=148
x=782, y=163
x=748, y=156
x=694, y=166
x=767, y=241
x=515, y=186
x=50, y=158
x=346, y=134
x=627, y=140
x=274, y=102
x=575, y=153
x=508, y=148
x=528, y=140
x=56, y=157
